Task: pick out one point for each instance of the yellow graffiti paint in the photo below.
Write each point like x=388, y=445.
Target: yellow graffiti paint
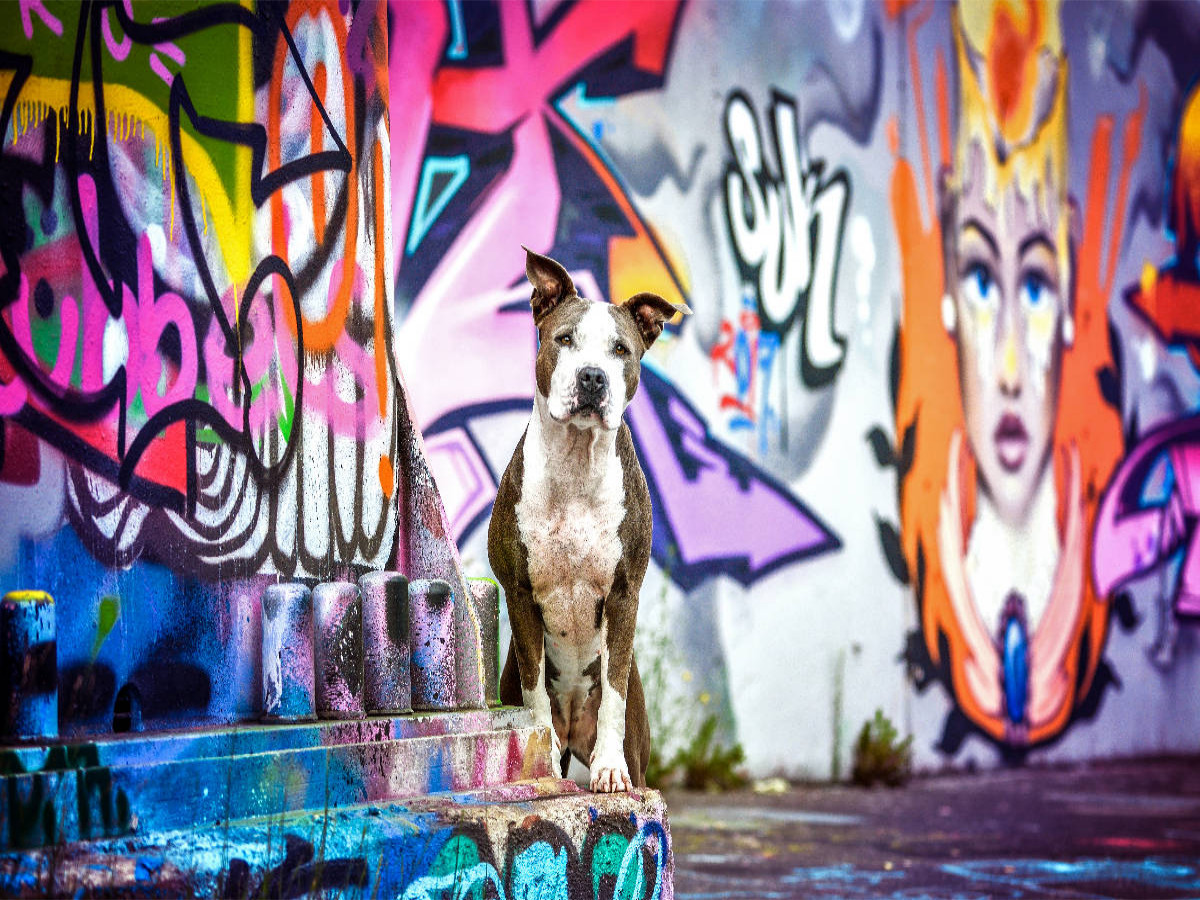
x=1149, y=279
x=28, y=597
x=243, y=210
x=132, y=112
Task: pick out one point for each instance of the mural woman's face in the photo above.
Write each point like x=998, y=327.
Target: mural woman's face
x=1009, y=303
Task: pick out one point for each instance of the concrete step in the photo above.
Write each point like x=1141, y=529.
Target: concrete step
x=252, y=737
x=543, y=837
x=73, y=792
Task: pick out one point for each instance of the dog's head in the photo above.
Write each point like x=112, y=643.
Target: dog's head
x=590, y=352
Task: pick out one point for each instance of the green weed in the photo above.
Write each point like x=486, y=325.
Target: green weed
x=704, y=765
x=880, y=755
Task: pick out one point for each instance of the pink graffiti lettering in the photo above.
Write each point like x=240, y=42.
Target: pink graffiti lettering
x=50, y=21
x=1134, y=537
x=118, y=50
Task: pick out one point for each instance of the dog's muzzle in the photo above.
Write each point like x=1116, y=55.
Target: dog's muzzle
x=591, y=389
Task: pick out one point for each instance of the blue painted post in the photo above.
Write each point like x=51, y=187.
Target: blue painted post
x=432, y=627
x=485, y=594
x=289, y=679
x=339, y=656
x=387, y=657
x=28, y=666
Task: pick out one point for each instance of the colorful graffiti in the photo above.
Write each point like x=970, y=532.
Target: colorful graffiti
x=957, y=244
x=1147, y=517
x=787, y=230
x=619, y=857
x=195, y=315
x=505, y=152
x=966, y=232
x=199, y=390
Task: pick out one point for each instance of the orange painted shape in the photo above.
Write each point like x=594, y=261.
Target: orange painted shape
x=316, y=145
x=894, y=8
x=634, y=266
x=387, y=476
x=320, y=335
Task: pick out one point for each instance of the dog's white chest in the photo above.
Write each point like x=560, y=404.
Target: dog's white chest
x=571, y=536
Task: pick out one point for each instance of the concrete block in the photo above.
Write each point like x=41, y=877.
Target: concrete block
x=432, y=628
x=288, y=672
x=470, y=680
x=386, y=648
x=337, y=610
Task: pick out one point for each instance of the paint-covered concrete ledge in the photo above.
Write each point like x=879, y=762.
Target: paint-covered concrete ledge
x=545, y=835
x=124, y=786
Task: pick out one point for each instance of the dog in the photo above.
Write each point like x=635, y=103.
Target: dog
x=569, y=539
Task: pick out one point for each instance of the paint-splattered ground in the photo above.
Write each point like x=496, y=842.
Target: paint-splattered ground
x=1112, y=830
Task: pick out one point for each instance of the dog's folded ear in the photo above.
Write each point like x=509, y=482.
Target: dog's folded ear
x=551, y=283
x=649, y=311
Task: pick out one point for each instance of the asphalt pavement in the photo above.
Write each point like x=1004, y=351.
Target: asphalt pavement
x=1118, y=829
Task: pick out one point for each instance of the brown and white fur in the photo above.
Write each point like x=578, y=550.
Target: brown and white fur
x=569, y=538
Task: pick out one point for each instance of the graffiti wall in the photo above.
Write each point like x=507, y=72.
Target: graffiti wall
x=199, y=386
x=928, y=443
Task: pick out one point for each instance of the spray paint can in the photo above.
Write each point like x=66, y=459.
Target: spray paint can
x=431, y=607
x=28, y=667
x=289, y=678
x=485, y=595
x=339, y=650
x=387, y=657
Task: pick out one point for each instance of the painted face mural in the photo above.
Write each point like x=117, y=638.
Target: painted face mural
x=996, y=509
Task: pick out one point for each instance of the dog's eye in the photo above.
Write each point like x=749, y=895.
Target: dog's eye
x=620, y=349
x=564, y=340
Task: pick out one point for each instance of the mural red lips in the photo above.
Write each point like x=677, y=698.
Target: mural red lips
x=1012, y=442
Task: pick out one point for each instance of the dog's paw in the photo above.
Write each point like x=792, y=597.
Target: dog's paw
x=610, y=776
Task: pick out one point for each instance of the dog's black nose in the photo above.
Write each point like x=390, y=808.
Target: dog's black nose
x=591, y=382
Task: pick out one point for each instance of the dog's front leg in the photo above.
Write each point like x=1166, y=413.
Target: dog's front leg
x=609, y=769
x=537, y=699
x=529, y=646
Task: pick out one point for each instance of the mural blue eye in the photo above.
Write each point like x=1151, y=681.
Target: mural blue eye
x=979, y=285
x=1033, y=289
x=1036, y=291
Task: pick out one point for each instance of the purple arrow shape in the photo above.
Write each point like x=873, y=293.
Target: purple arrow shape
x=717, y=510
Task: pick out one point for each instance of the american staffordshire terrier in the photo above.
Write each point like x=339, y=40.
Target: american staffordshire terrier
x=569, y=538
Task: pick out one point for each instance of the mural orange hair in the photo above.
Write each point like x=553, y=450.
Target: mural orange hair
x=928, y=403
